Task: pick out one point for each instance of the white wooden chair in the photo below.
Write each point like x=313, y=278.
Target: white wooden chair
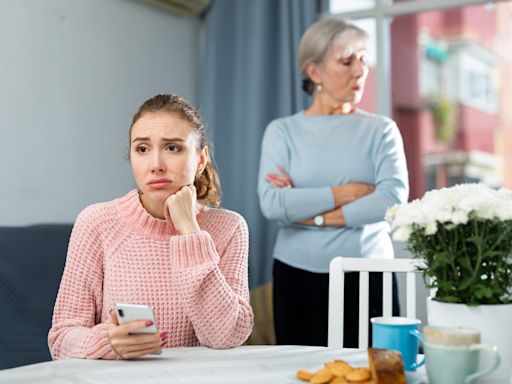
x=340, y=265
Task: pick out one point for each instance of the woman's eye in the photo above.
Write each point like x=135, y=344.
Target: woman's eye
x=173, y=148
x=141, y=149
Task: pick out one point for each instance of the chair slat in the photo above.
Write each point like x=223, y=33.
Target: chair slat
x=387, y=295
x=363, y=309
x=411, y=295
x=336, y=304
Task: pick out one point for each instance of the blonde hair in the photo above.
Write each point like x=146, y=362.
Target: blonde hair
x=207, y=184
x=320, y=37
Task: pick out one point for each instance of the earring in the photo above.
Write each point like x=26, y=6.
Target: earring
x=318, y=87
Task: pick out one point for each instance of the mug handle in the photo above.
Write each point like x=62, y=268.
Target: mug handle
x=495, y=362
x=419, y=336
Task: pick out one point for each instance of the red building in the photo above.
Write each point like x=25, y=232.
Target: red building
x=447, y=98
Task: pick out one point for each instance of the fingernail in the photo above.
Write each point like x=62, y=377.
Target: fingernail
x=149, y=323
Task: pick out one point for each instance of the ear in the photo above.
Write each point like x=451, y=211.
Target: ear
x=313, y=72
x=203, y=160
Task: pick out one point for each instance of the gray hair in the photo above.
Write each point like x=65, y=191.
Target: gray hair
x=320, y=37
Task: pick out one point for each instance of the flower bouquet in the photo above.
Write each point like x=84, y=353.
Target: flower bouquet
x=463, y=237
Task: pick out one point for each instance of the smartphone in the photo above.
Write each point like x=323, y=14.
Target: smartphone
x=129, y=312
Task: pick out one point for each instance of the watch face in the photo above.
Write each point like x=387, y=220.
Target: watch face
x=318, y=220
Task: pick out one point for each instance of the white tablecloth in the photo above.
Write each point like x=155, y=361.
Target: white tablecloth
x=247, y=364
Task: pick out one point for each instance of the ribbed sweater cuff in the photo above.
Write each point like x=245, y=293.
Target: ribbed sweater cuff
x=192, y=250
x=101, y=348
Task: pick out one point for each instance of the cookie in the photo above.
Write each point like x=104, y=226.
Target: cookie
x=304, y=375
x=358, y=375
x=322, y=376
x=340, y=368
x=339, y=380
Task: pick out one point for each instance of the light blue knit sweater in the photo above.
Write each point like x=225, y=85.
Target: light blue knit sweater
x=322, y=151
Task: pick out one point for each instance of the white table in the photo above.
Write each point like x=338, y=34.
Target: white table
x=247, y=364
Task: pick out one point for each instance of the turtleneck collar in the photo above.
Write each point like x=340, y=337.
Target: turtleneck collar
x=139, y=221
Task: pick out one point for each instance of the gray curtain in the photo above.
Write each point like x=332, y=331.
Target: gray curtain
x=250, y=76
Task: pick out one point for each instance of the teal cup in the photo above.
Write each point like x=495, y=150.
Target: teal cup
x=453, y=355
x=399, y=334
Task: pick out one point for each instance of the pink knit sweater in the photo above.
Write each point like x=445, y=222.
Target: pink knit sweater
x=197, y=283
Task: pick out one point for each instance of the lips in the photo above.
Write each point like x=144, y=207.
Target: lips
x=159, y=183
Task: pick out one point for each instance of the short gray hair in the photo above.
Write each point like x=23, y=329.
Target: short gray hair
x=321, y=36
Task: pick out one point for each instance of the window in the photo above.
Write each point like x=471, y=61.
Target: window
x=459, y=52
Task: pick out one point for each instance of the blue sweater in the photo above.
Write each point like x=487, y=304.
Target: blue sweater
x=323, y=151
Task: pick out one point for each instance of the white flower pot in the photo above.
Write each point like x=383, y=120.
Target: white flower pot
x=494, y=323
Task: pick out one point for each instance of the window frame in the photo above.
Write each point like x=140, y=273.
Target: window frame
x=383, y=13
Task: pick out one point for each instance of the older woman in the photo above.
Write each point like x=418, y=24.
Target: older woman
x=158, y=246
x=327, y=176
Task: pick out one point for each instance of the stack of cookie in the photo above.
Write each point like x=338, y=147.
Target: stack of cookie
x=386, y=367
x=337, y=372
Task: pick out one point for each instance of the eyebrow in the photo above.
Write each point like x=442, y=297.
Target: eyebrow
x=170, y=139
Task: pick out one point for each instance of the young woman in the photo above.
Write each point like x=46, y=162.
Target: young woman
x=158, y=246
x=327, y=176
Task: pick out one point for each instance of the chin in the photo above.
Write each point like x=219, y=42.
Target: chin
x=357, y=99
x=159, y=195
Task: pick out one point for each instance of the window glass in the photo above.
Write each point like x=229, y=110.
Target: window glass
x=451, y=87
x=339, y=6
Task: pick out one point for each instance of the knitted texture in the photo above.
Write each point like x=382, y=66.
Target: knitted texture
x=197, y=283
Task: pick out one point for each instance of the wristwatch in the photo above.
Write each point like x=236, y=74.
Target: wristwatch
x=319, y=220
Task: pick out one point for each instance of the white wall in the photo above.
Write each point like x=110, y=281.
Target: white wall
x=72, y=73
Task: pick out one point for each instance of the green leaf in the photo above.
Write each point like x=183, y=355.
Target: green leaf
x=447, y=299
x=465, y=283
x=482, y=291
x=466, y=265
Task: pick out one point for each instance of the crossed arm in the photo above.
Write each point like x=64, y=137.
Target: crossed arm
x=343, y=194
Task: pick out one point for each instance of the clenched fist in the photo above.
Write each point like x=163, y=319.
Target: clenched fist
x=181, y=208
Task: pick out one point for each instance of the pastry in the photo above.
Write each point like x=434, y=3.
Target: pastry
x=386, y=366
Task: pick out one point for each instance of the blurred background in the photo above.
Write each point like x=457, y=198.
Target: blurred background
x=73, y=72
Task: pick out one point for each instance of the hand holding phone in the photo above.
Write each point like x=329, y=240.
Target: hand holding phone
x=131, y=312
x=132, y=331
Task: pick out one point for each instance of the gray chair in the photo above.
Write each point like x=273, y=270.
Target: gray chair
x=31, y=263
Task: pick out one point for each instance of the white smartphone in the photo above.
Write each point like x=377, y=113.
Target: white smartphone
x=129, y=312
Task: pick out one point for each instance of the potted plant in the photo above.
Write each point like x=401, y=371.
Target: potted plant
x=463, y=238
x=443, y=112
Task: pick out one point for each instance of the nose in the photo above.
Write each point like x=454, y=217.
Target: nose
x=360, y=69
x=157, y=165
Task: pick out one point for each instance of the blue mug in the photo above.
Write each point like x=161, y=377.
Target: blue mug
x=399, y=334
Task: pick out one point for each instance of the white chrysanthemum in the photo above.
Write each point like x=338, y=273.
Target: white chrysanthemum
x=402, y=234
x=443, y=216
x=505, y=213
x=459, y=217
x=450, y=207
x=431, y=228
x=391, y=213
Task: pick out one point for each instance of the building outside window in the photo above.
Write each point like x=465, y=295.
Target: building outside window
x=451, y=82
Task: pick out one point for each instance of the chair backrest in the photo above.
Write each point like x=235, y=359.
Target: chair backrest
x=340, y=265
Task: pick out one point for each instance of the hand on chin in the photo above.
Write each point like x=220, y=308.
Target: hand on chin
x=180, y=208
